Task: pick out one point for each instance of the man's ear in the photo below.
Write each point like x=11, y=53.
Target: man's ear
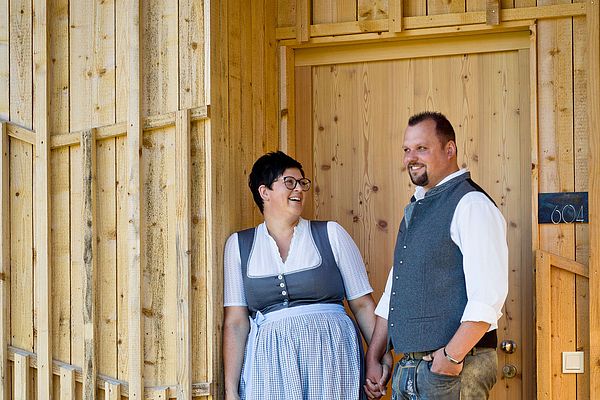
x=451, y=149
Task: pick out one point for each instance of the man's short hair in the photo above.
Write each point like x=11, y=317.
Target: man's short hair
x=443, y=127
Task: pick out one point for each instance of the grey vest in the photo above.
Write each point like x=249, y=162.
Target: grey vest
x=428, y=292
x=323, y=284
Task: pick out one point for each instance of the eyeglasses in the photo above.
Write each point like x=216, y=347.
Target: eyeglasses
x=290, y=182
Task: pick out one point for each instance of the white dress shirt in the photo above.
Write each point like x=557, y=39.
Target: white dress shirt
x=479, y=230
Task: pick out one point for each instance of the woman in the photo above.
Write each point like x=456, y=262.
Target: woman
x=290, y=276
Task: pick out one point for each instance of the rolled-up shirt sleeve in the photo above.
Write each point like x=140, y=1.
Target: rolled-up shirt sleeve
x=383, y=307
x=479, y=230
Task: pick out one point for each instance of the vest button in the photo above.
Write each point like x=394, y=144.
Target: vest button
x=402, y=246
x=280, y=277
x=285, y=303
x=391, y=324
x=282, y=284
x=401, y=262
x=391, y=308
x=393, y=293
x=396, y=277
x=283, y=292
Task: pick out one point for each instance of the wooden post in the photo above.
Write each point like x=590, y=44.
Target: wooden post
x=184, y=257
x=543, y=309
x=21, y=377
x=135, y=254
x=395, y=15
x=492, y=12
x=42, y=201
x=67, y=383
x=303, y=13
x=89, y=252
x=4, y=263
x=287, y=121
x=593, y=103
x=112, y=391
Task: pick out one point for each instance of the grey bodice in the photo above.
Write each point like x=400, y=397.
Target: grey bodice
x=322, y=284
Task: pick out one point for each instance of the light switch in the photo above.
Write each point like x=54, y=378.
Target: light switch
x=572, y=362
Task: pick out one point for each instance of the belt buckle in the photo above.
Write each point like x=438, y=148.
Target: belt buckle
x=427, y=357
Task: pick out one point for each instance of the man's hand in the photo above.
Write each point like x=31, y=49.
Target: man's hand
x=441, y=365
x=378, y=375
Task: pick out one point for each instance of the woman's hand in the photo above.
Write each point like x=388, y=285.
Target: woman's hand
x=378, y=375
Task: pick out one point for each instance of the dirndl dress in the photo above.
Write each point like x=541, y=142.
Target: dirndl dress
x=302, y=345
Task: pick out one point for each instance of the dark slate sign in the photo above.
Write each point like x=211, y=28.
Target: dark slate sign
x=563, y=208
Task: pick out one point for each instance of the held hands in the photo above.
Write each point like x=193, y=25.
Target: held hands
x=441, y=365
x=378, y=375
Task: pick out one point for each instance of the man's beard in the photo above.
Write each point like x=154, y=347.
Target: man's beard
x=420, y=180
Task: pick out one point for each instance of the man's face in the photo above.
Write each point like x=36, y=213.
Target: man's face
x=425, y=158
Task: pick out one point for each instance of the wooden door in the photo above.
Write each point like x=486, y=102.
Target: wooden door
x=350, y=120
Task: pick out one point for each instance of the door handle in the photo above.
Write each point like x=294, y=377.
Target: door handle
x=508, y=346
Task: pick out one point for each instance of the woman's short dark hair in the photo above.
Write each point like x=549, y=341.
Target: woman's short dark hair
x=266, y=170
x=443, y=127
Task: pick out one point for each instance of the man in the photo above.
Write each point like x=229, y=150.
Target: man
x=449, y=280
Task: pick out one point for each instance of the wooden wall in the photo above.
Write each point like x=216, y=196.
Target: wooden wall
x=87, y=79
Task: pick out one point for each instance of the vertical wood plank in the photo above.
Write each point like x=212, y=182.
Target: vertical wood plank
x=303, y=99
x=135, y=253
x=183, y=244
x=4, y=61
x=543, y=312
x=61, y=254
x=395, y=15
x=112, y=391
x=160, y=57
x=43, y=277
x=67, y=383
x=76, y=209
x=89, y=263
x=22, y=389
x=106, y=257
x=374, y=9
x=287, y=125
x=121, y=61
x=593, y=110
x=492, y=12
x=435, y=7
x=191, y=54
x=5, y=262
x=581, y=153
x=92, y=63
x=271, y=62
x=21, y=66
x=218, y=192
x=303, y=20
x=199, y=311
x=122, y=258
x=333, y=11
x=286, y=13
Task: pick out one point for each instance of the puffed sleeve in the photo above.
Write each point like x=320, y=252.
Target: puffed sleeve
x=233, y=293
x=349, y=261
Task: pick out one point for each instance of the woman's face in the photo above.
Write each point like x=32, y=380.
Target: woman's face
x=281, y=201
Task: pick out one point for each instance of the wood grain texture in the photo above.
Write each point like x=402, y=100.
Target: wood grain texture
x=593, y=112
x=4, y=262
x=372, y=10
x=191, y=54
x=89, y=263
x=543, y=307
x=122, y=258
x=67, y=383
x=333, y=11
x=160, y=57
x=106, y=245
x=135, y=253
x=21, y=62
x=22, y=378
x=4, y=61
x=121, y=60
x=76, y=239
x=303, y=20
x=61, y=254
x=183, y=253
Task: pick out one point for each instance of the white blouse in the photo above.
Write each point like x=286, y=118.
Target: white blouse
x=265, y=260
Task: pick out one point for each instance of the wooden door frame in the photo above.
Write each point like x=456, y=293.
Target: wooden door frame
x=300, y=59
